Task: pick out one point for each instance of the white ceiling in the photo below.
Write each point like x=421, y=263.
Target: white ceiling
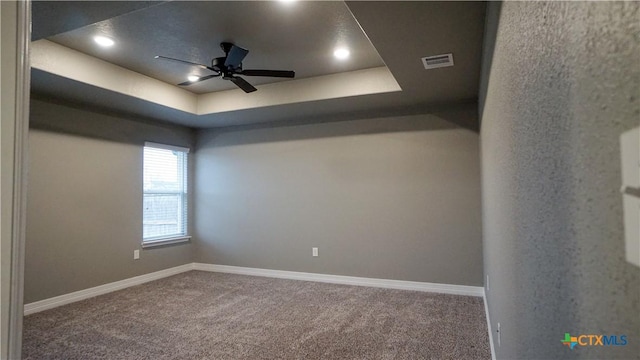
x=383, y=75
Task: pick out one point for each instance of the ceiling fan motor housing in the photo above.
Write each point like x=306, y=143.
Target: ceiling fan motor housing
x=218, y=64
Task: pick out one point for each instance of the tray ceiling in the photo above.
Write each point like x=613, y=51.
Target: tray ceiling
x=384, y=73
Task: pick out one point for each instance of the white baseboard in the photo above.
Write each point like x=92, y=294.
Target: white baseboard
x=53, y=302
x=346, y=280
x=486, y=312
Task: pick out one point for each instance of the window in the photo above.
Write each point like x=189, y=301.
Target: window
x=164, y=216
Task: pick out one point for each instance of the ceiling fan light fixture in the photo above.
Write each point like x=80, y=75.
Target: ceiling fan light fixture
x=341, y=53
x=103, y=41
x=193, y=78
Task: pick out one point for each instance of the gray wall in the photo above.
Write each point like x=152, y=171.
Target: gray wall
x=395, y=198
x=562, y=84
x=84, y=210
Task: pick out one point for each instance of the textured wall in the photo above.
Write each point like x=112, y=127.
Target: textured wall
x=562, y=84
x=84, y=209
x=394, y=198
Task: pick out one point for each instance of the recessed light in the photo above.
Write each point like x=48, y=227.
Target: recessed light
x=193, y=78
x=341, y=53
x=103, y=41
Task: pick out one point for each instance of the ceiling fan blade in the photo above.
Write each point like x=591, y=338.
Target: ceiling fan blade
x=270, y=73
x=186, y=83
x=186, y=62
x=235, y=56
x=243, y=84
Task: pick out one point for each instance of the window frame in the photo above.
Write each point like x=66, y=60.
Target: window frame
x=184, y=198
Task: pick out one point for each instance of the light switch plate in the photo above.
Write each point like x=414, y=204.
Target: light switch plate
x=630, y=155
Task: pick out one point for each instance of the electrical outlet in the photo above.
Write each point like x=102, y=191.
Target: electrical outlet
x=136, y=254
x=314, y=251
x=499, y=335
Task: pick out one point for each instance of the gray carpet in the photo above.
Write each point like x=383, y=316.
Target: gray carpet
x=202, y=315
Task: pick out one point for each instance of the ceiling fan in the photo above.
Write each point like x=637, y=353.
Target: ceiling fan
x=229, y=66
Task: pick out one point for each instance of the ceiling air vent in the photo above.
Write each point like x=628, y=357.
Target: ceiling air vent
x=437, y=61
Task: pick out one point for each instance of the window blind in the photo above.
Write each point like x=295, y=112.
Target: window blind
x=165, y=192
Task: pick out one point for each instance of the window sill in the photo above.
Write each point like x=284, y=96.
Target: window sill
x=165, y=241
